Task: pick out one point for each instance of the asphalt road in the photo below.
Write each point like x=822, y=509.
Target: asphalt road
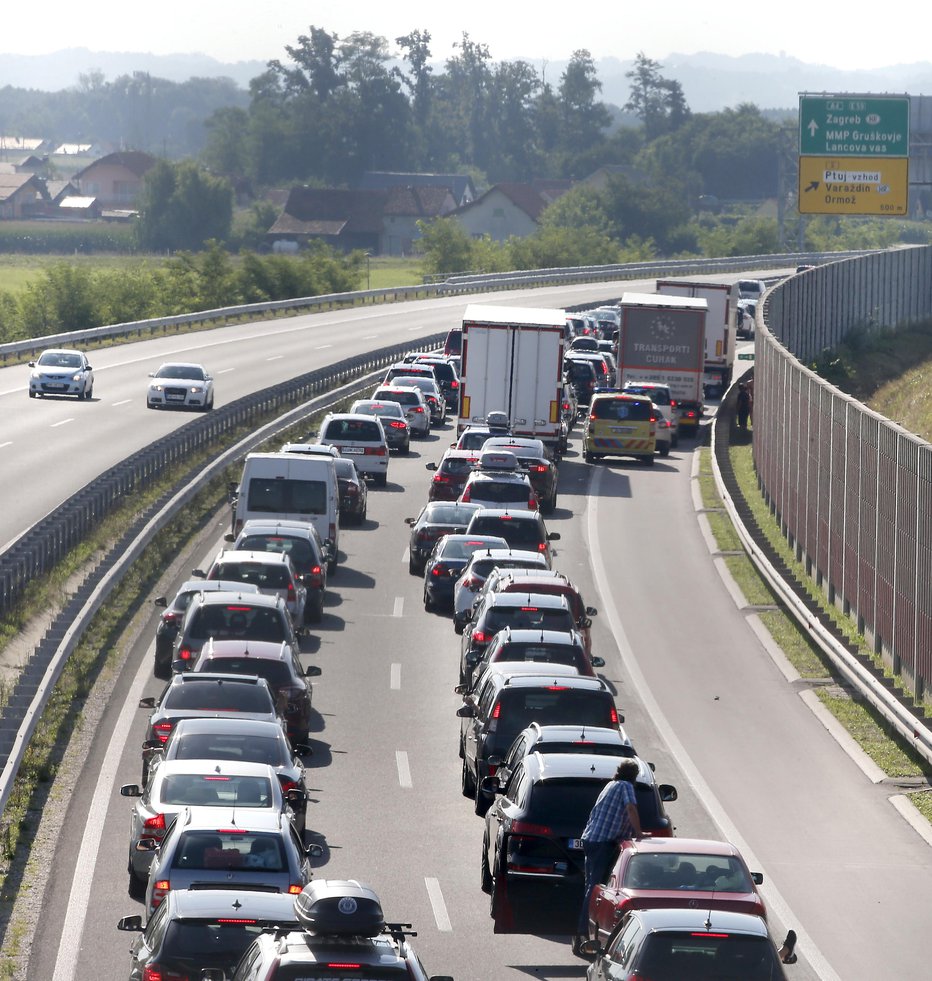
x=702, y=699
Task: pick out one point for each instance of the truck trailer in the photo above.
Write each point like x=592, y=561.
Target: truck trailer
x=720, y=329
x=512, y=362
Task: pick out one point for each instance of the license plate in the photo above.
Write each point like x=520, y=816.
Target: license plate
x=621, y=429
x=574, y=844
x=353, y=450
x=175, y=398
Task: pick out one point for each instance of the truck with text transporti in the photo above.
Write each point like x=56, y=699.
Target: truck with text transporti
x=662, y=339
x=512, y=361
x=720, y=330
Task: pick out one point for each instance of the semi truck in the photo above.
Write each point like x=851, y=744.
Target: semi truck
x=663, y=339
x=720, y=329
x=512, y=362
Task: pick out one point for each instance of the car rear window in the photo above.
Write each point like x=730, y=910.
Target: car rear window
x=457, y=466
x=668, y=956
x=500, y=492
x=215, y=790
x=544, y=653
x=227, y=849
x=518, y=533
x=270, y=495
x=684, y=870
x=553, y=705
x=237, y=747
x=621, y=410
x=402, y=398
x=275, y=672
x=225, y=696
x=473, y=441
x=564, y=802
x=528, y=618
x=584, y=746
x=299, y=550
x=353, y=429
x=258, y=573
x=237, y=620
x=189, y=939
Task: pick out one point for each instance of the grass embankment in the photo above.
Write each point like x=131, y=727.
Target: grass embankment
x=890, y=371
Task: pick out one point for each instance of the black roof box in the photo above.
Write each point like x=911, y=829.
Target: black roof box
x=339, y=906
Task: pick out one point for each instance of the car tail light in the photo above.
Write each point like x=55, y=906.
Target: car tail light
x=352, y=490
x=613, y=716
x=287, y=784
x=315, y=576
x=466, y=496
x=528, y=828
x=454, y=384
x=439, y=570
x=235, y=922
x=160, y=889
x=419, y=409
x=398, y=425
x=481, y=637
x=154, y=825
x=566, y=407
x=295, y=889
x=168, y=617
x=472, y=583
x=375, y=451
x=162, y=731
x=497, y=711
x=333, y=532
x=557, y=688
x=542, y=547
x=672, y=403
x=532, y=502
x=344, y=966
x=442, y=478
x=156, y=972
x=185, y=654
x=291, y=595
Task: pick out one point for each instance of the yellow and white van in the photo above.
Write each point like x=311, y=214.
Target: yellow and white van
x=620, y=425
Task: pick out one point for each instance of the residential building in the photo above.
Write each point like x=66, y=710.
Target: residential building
x=115, y=180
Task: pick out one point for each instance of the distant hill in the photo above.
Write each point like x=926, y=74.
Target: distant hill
x=710, y=82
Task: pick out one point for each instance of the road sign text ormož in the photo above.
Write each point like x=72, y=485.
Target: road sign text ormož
x=854, y=126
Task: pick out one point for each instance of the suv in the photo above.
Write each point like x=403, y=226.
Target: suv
x=173, y=613
x=534, y=457
x=238, y=616
x=436, y=519
x=271, y=572
x=512, y=694
x=300, y=541
x=447, y=378
x=663, y=400
x=521, y=529
x=482, y=563
x=342, y=934
x=194, y=930
x=278, y=664
x=394, y=421
x=496, y=481
x=433, y=395
x=541, y=647
x=685, y=943
x=451, y=474
x=413, y=403
x=532, y=847
x=361, y=438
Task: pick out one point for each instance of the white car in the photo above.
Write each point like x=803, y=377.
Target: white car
x=473, y=577
x=61, y=371
x=180, y=385
x=668, y=424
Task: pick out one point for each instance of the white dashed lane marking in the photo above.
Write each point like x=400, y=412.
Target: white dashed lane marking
x=395, y=678
x=438, y=905
x=404, y=770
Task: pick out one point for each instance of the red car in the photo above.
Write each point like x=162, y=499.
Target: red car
x=674, y=872
x=451, y=474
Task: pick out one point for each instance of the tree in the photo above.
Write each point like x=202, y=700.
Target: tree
x=182, y=206
x=584, y=119
x=658, y=102
x=445, y=245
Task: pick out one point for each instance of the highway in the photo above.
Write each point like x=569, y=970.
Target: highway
x=702, y=698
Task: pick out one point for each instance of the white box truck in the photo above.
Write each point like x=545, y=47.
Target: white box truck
x=720, y=330
x=512, y=362
x=291, y=487
x=662, y=339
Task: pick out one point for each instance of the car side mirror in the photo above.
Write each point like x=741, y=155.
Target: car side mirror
x=312, y=671
x=199, y=573
x=430, y=466
x=295, y=796
x=148, y=702
x=303, y=749
x=212, y=974
x=132, y=924
x=147, y=845
x=130, y=790
x=466, y=711
x=585, y=623
x=229, y=537
x=757, y=878
x=667, y=792
x=598, y=662
x=554, y=536
x=490, y=785
x=314, y=851
x=461, y=689
x=152, y=746
x=160, y=601
x=410, y=521
x=591, y=611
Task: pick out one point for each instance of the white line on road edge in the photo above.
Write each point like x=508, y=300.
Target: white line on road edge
x=64, y=422
x=404, y=770
x=399, y=606
x=79, y=901
x=395, y=677
x=773, y=898
x=438, y=905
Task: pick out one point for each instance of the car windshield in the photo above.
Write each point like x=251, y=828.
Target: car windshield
x=233, y=746
x=221, y=696
x=189, y=372
x=669, y=956
x=237, y=621
x=271, y=495
x=275, y=672
x=226, y=849
x=59, y=359
x=300, y=550
x=215, y=790
x=684, y=870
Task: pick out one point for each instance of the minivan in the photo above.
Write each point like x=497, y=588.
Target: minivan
x=620, y=425
x=291, y=486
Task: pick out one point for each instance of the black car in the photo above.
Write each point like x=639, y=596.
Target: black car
x=194, y=930
x=509, y=696
x=354, y=496
x=535, y=460
x=532, y=858
x=242, y=740
x=447, y=560
x=451, y=474
x=438, y=518
x=447, y=378
x=583, y=379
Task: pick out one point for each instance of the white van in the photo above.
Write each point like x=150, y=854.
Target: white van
x=291, y=487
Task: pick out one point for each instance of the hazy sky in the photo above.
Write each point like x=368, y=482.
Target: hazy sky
x=847, y=36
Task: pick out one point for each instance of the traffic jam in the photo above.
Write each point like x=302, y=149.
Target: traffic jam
x=223, y=843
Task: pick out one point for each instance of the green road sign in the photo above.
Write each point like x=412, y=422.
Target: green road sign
x=746, y=357
x=854, y=126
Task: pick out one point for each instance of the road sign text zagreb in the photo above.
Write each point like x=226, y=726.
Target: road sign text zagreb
x=852, y=126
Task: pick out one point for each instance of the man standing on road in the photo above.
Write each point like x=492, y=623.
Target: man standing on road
x=614, y=818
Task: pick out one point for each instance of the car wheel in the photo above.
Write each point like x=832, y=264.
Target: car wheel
x=163, y=668
x=332, y=566
x=89, y=394
x=552, y=503
x=32, y=394
x=137, y=886
x=485, y=873
x=481, y=803
x=313, y=612
x=413, y=567
x=428, y=602
x=381, y=479
x=469, y=785
x=649, y=460
x=665, y=449
x=406, y=448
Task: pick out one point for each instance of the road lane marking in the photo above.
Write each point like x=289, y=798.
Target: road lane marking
x=395, y=678
x=276, y=357
x=399, y=606
x=404, y=771
x=9, y=442
x=64, y=422
x=322, y=347
x=369, y=337
x=437, y=904
x=405, y=555
x=412, y=329
x=225, y=371
x=124, y=402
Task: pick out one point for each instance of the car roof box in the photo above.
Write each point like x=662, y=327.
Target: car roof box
x=339, y=906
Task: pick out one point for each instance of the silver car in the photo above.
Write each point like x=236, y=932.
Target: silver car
x=412, y=401
x=61, y=371
x=176, y=784
x=180, y=385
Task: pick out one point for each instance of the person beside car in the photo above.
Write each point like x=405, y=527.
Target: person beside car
x=614, y=818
